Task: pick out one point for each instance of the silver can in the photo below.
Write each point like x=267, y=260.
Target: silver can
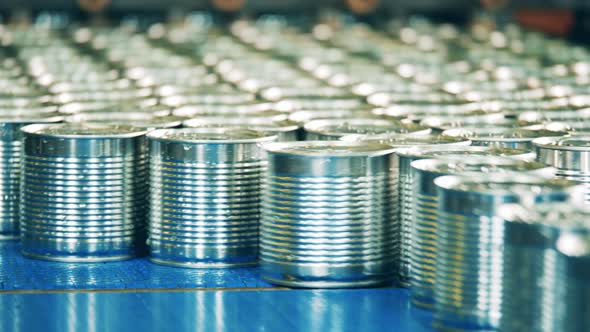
x=547, y=262
x=205, y=196
x=468, y=282
x=328, y=217
x=10, y=153
x=570, y=156
x=424, y=230
x=83, y=192
x=405, y=156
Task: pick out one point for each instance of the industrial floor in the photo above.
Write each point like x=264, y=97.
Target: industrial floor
x=137, y=295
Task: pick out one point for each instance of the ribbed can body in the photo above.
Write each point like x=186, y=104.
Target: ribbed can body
x=548, y=258
x=205, y=201
x=329, y=221
x=470, y=243
x=83, y=199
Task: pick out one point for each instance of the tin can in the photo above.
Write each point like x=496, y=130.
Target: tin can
x=284, y=130
x=470, y=242
x=84, y=192
x=405, y=156
x=546, y=254
x=328, y=215
x=425, y=232
x=205, y=196
x=569, y=155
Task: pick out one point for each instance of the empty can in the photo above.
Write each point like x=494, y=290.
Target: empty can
x=546, y=261
x=469, y=246
x=405, y=156
x=425, y=221
x=205, y=196
x=10, y=153
x=84, y=192
x=328, y=217
x=570, y=156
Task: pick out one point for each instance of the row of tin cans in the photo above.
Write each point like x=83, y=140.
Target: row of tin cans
x=405, y=162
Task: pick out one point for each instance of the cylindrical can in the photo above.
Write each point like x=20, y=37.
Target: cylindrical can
x=424, y=200
x=547, y=263
x=515, y=138
x=205, y=196
x=405, y=156
x=83, y=192
x=328, y=215
x=469, y=246
x=284, y=130
x=570, y=156
x=10, y=154
x=334, y=129
x=137, y=120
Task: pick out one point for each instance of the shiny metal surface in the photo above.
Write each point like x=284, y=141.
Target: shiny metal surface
x=546, y=257
x=205, y=196
x=10, y=154
x=405, y=156
x=570, y=156
x=284, y=130
x=468, y=282
x=329, y=215
x=83, y=192
x=425, y=221
x=334, y=129
x=515, y=138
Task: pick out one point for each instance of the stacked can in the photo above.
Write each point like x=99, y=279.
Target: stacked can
x=405, y=156
x=328, y=217
x=469, y=246
x=547, y=257
x=425, y=222
x=83, y=192
x=205, y=196
x=569, y=155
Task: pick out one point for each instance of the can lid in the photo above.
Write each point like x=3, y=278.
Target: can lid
x=406, y=140
x=211, y=135
x=254, y=123
x=84, y=130
x=342, y=127
x=477, y=164
x=506, y=184
x=424, y=152
x=329, y=149
x=501, y=134
x=572, y=143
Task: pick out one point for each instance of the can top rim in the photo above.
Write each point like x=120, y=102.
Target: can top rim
x=329, y=149
x=222, y=135
x=578, y=142
x=83, y=131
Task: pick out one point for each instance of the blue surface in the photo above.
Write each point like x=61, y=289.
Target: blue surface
x=359, y=310
x=20, y=273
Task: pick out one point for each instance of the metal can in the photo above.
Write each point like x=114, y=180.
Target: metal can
x=84, y=192
x=205, y=196
x=468, y=290
x=334, y=129
x=547, y=260
x=10, y=153
x=424, y=200
x=405, y=156
x=570, y=156
x=516, y=138
x=328, y=215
